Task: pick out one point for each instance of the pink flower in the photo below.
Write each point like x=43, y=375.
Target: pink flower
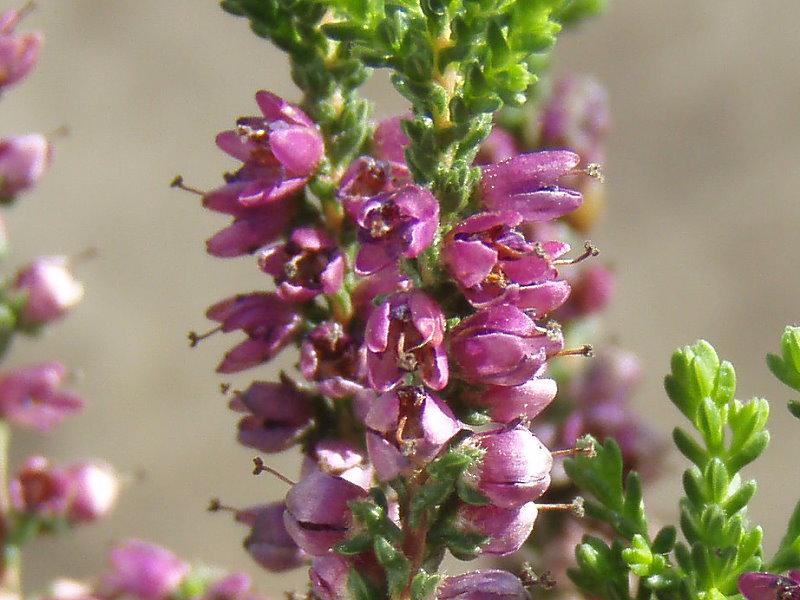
x=506, y=528
x=95, y=488
x=143, y=570
x=31, y=396
x=767, y=586
x=268, y=543
x=50, y=290
x=40, y=489
x=390, y=141
x=19, y=52
x=23, y=160
x=490, y=584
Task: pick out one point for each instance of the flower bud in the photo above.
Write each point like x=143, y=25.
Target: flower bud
x=390, y=141
x=501, y=345
x=31, y=396
x=278, y=415
x=515, y=468
x=490, y=584
x=528, y=184
x=504, y=404
x=143, y=570
x=235, y=586
x=95, y=491
x=41, y=490
x=23, y=161
x=50, y=290
x=317, y=513
x=269, y=544
x=407, y=427
x=19, y=52
x=507, y=529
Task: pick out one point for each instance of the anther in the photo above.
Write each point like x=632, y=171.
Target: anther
x=178, y=183
x=259, y=467
x=590, y=250
x=216, y=505
x=195, y=338
x=530, y=579
x=595, y=171
x=224, y=388
x=585, y=350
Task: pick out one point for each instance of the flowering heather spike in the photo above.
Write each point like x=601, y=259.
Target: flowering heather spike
x=528, y=184
x=317, y=513
x=50, y=290
x=407, y=428
x=277, y=415
x=143, y=570
x=31, y=396
x=501, y=345
x=489, y=584
x=405, y=334
x=268, y=543
x=393, y=225
x=23, y=161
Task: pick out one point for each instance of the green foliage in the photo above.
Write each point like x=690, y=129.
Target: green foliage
x=718, y=544
x=786, y=367
x=575, y=11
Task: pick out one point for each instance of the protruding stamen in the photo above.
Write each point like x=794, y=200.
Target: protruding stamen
x=83, y=256
x=588, y=450
x=260, y=467
x=585, y=350
x=575, y=507
x=590, y=250
x=216, y=505
x=195, y=338
x=595, y=171
x=224, y=388
x=179, y=183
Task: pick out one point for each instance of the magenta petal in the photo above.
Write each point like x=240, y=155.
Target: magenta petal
x=542, y=205
x=470, y=262
x=761, y=586
x=299, y=149
x=376, y=334
x=231, y=143
x=427, y=317
x=387, y=460
x=542, y=298
x=435, y=369
x=383, y=372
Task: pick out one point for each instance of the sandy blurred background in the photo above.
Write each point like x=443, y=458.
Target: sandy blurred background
x=703, y=227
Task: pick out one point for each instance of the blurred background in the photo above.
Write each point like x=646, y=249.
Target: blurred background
x=703, y=227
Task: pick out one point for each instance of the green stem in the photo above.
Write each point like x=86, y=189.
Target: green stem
x=10, y=583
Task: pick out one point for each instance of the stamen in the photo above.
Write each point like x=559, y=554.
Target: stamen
x=575, y=507
x=216, y=505
x=178, y=183
x=224, y=388
x=195, y=338
x=260, y=467
x=595, y=171
x=83, y=256
x=585, y=350
x=553, y=330
x=587, y=450
x=58, y=132
x=529, y=578
x=590, y=250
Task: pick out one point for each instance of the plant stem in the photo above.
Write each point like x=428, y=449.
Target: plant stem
x=10, y=584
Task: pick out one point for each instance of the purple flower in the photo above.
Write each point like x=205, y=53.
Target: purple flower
x=767, y=586
x=31, y=396
x=308, y=264
x=407, y=427
x=268, y=543
x=367, y=177
x=501, y=345
x=515, y=468
x=490, y=584
x=499, y=146
x=23, y=159
x=19, y=52
x=592, y=288
x=236, y=586
x=507, y=529
x=339, y=458
x=143, y=570
x=50, y=290
x=403, y=334
x=283, y=137
x=95, y=488
x=269, y=321
x=40, y=489
x=253, y=226
x=392, y=225
x=504, y=404
x=528, y=184
x=390, y=141
x=328, y=575
x=317, y=513
x=331, y=358
x=493, y=263
x=278, y=414
x=382, y=283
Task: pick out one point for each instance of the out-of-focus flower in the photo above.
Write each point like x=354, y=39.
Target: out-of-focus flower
x=528, y=185
x=592, y=288
x=50, y=290
x=143, y=570
x=403, y=334
x=328, y=575
x=390, y=141
x=490, y=584
x=501, y=345
x=515, y=468
x=268, y=543
x=392, y=225
x=339, y=458
x=307, y=265
x=277, y=415
x=95, y=488
x=19, y=52
x=407, y=427
x=32, y=396
x=499, y=146
x=768, y=586
x=40, y=489
x=23, y=159
x=317, y=514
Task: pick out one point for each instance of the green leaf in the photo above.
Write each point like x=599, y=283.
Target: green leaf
x=787, y=366
x=423, y=586
x=394, y=563
x=788, y=554
x=664, y=541
x=794, y=408
x=359, y=588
